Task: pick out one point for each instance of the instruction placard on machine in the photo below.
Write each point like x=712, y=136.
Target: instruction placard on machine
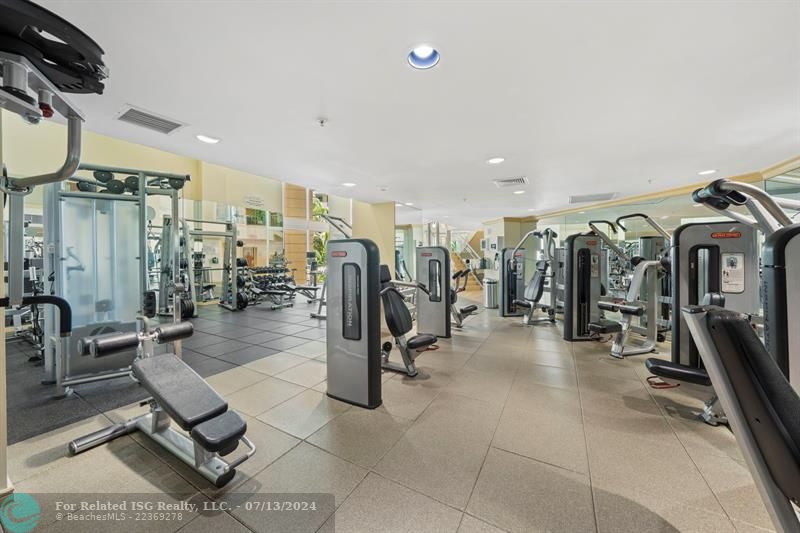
x=733, y=273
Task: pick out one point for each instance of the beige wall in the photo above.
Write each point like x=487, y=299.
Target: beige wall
x=376, y=222
x=36, y=149
x=233, y=187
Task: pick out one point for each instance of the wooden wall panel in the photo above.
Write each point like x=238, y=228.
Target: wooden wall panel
x=294, y=201
x=295, y=242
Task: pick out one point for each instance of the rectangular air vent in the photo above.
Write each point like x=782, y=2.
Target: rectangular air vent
x=511, y=182
x=149, y=120
x=583, y=198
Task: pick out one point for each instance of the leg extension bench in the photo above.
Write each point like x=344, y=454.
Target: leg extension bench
x=179, y=394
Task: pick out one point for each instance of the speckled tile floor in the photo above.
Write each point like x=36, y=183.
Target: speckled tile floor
x=507, y=428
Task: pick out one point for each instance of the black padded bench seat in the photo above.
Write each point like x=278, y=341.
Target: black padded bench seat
x=605, y=326
x=417, y=342
x=676, y=371
x=306, y=288
x=469, y=308
x=185, y=396
x=220, y=434
x=625, y=309
x=524, y=303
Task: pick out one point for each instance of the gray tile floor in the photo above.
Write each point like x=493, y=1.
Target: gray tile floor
x=507, y=428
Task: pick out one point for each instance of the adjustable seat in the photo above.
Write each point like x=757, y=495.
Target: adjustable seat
x=533, y=293
x=399, y=322
x=460, y=313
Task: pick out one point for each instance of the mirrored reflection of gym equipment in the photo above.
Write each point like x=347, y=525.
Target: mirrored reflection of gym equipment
x=542, y=282
x=639, y=306
x=96, y=249
x=346, y=231
x=230, y=297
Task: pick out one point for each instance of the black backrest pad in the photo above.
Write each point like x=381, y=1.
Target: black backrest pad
x=385, y=274
x=771, y=406
x=535, y=288
x=185, y=396
x=398, y=317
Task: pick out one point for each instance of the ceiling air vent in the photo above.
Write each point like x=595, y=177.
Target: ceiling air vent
x=148, y=120
x=511, y=182
x=583, y=198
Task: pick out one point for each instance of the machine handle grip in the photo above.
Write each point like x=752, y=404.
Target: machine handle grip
x=632, y=215
x=717, y=190
x=610, y=224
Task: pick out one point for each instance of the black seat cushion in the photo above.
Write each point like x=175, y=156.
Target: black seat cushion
x=524, y=303
x=220, y=434
x=184, y=395
x=771, y=407
x=417, y=342
x=677, y=371
x=605, y=326
x=468, y=309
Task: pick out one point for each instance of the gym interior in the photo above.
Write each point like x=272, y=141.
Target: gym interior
x=400, y=266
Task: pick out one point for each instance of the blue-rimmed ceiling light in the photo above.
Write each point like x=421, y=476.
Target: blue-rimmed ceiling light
x=423, y=56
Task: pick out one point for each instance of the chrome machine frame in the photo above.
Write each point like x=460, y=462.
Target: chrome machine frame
x=64, y=366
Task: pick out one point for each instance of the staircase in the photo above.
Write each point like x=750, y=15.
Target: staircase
x=462, y=252
x=472, y=281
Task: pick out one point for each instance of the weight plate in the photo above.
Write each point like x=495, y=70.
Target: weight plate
x=103, y=176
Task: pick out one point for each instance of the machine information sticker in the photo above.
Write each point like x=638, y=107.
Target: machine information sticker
x=351, y=301
x=733, y=273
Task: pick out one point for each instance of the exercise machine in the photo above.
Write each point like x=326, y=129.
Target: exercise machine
x=460, y=314
x=95, y=234
x=760, y=404
x=177, y=394
x=433, y=303
x=230, y=298
x=638, y=307
x=583, y=287
x=399, y=321
x=353, y=328
x=511, y=282
x=541, y=279
x=715, y=263
x=345, y=230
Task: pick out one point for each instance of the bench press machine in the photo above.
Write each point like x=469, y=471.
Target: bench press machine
x=178, y=394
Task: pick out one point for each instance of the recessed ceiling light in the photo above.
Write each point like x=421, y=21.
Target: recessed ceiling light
x=708, y=172
x=495, y=160
x=206, y=139
x=581, y=212
x=531, y=209
x=409, y=203
x=519, y=192
x=664, y=217
x=423, y=57
x=348, y=184
x=398, y=205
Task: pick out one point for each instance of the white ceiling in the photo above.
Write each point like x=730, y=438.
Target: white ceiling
x=581, y=97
